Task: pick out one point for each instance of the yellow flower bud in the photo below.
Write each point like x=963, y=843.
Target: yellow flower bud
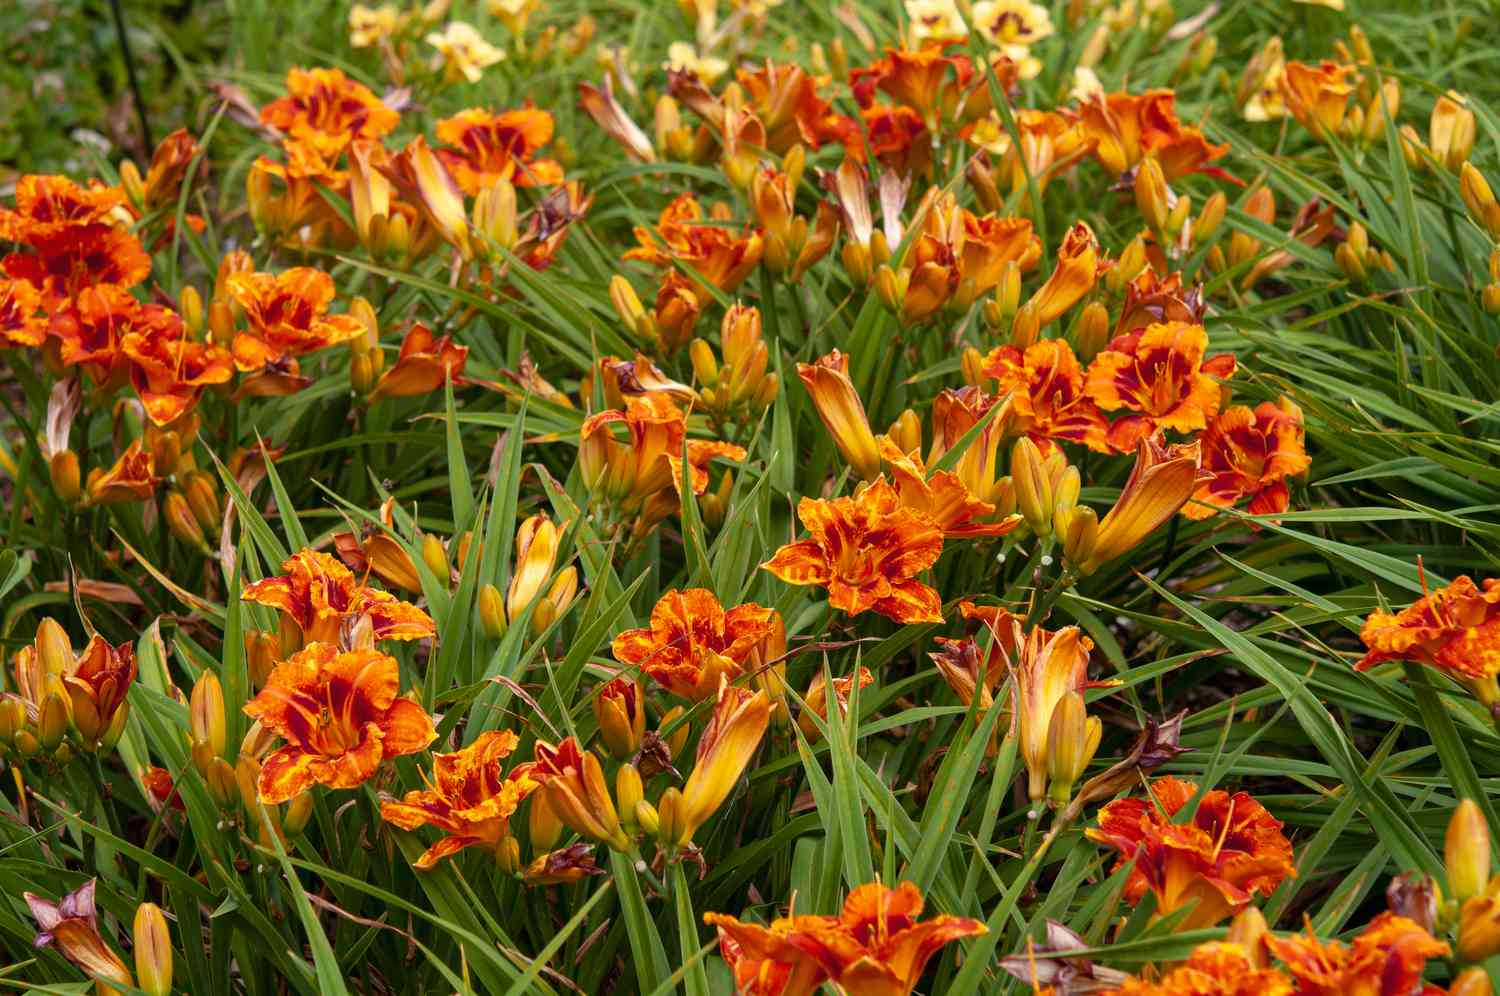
x=1033, y=486
x=1478, y=929
x=298, y=814
x=1451, y=131
x=1151, y=194
x=222, y=784
x=1210, y=218
x=206, y=713
x=203, y=500
x=181, y=521
x=647, y=820
x=1466, y=851
x=66, y=481
x=629, y=794
x=54, y=718
x=1479, y=199
x=620, y=710
x=628, y=306
x=671, y=818
x=1249, y=930
x=12, y=719
x=545, y=826
x=1080, y=535
x=435, y=557
x=677, y=739
x=132, y=183
x=705, y=366
x=492, y=612
x=1490, y=298
x=53, y=648
x=1091, y=334
x=1072, y=738
x=1026, y=327
x=1474, y=982
x=888, y=288
x=260, y=656
x=153, y=951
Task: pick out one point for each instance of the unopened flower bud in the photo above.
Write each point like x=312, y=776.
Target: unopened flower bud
x=153, y=951
x=492, y=611
x=206, y=713
x=1026, y=327
x=1249, y=930
x=1151, y=194
x=1466, y=851
x=298, y=814
x=53, y=719
x=705, y=366
x=629, y=794
x=1091, y=334
x=435, y=557
x=1033, y=486
x=676, y=741
x=66, y=481
x=672, y=818
x=181, y=521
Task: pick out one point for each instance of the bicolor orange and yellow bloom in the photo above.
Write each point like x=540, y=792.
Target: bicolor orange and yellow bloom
x=843, y=413
x=1217, y=861
x=1163, y=377
x=1388, y=956
x=341, y=715
x=1250, y=454
x=326, y=109
x=693, y=642
x=470, y=798
x=573, y=786
x=483, y=148
x=320, y=596
x=1214, y=969
x=1160, y=483
x=730, y=739
x=1046, y=387
x=867, y=552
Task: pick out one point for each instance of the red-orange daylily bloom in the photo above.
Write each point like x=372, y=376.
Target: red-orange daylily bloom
x=132, y=477
x=47, y=205
x=1080, y=262
x=287, y=314
x=1126, y=128
x=713, y=252
x=954, y=413
x=785, y=98
x=64, y=263
x=469, y=797
x=328, y=110
x=1228, y=851
x=763, y=960
x=88, y=330
x=1385, y=959
x=692, y=641
x=942, y=497
x=341, y=716
x=1047, y=397
x=21, y=320
x=320, y=595
x=1250, y=454
x=895, y=136
x=1317, y=96
x=575, y=791
x=1162, y=375
x=1214, y=969
x=925, y=80
x=169, y=370
x=867, y=552
x=97, y=684
x=1455, y=629
x=424, y=364
x=484, y=148
x=878, y=945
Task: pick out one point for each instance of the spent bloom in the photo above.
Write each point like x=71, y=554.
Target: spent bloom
x=469, y=797
x=1229, y=850
x=867, y=552
x=72, y=926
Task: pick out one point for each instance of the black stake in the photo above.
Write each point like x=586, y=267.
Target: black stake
x=130, y=77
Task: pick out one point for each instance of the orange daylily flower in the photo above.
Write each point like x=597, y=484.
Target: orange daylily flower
x=763, y=960
x=1317, y=96
x=326, y=109
x=67, y=262
x=485, y=148
x=1127, y=128
x=1214, y=969
x=21, y=320
x=1046, y=388
x=288, y=317
x=843, y=413
x=815, y=700
x=1386, y=958
x=652, y=459
x=1228, y=851
x=132, y=477
x=960, y=661
x=942, y=497
x=866, y=551
x=72, y=924
x=48, y=205
x=320, y=595
x=167, y=369
x=1160, y=483
x=935, y=84
x=712, y=252
x=1050, y=143
x=954, y=413
x=169, y=165
x=785, y=98
x=97, y=684
x=341, y=717
x=1080, y=262
x=734, y=731
x=1162, y=375
x=1455, y=629
x=88, y=330
x=895, y=136
x=424, y=364
x=470, y=798
x=878, y=946
x=424, y=181
x=1250, y=454
x=692, y=641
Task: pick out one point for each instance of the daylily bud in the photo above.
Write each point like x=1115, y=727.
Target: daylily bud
x=65, y=476
x=888, y=288
x=203, y=500
x=1249, y=930
x=1210, y=218
x=1080, y=535
x=1151, y=194
x=677, y=739
x=1478, y=929
x=298, y=813
x=494, y=214
x=54, y=718
x=671, y=818
x=1466, y=851
x=906, y=431
x=628, y=306
x=132, y=183
x=153, y=951
x=1474, y=982
x=647, y=820
x=705, y=367
x=1490, y=299
x=1033, y=487
x=1129, y=266
x=261, y=649
x=1072, y=738
x=435, y=557
x=1451, y=131
x=181, y=521
x=206, y=713
x=843, y=413
x=53, y=648
x=620, y=709
x=508, y=856
x=1091, y=334
x=223, y=785
x=492, y=612
x=1350, y=263
x=12, y=719
x=545, y=827
x=1479, y=199
x=1026, y=327
x=629, y=793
